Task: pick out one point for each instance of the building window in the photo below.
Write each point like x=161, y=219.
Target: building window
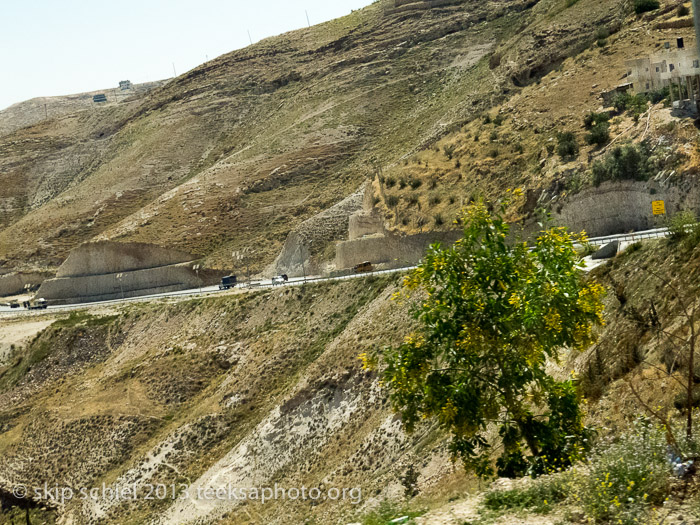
x=680, y=43
x=657, y=69
x=696, y=63
x=647, y=85
x=671, y=67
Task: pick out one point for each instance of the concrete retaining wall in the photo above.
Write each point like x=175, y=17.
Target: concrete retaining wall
x=97, y=258
x=13, y=283
x=314, y=234
x=619, y=207
x=392, y=250
x=105, y=287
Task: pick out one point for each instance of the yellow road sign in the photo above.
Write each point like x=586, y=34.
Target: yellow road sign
x=658, y=208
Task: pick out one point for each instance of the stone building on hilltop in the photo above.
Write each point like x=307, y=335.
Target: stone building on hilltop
x=677, y=64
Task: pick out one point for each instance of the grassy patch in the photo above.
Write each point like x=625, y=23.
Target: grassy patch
x=85, y=319
x=388, y=511
x=537, y=496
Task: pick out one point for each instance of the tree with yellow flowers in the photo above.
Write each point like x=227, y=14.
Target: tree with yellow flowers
x=492, y=314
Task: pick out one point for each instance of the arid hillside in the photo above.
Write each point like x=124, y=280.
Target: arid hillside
x=237, y=152
x=249, y=390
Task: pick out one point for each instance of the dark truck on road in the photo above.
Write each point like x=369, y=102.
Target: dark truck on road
x=228, y=282
x=36, y=304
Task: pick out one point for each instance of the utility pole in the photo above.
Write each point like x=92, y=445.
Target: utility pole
x=696, y=19
x=121, y=286
x=307, y=18
x=196, y=269
x=174, y=72
x=250, y=37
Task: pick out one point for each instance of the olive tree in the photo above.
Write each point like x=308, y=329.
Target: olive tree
x=492, y=314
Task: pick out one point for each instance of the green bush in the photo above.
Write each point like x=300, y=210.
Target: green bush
x=567, y=147
x=392, y=201
x=592, y=118
x=536, y=496
x=599, y=134
x=642, y=6
x=658, y=95
x=634, y=104
x=625, y=479
x=629, y=162
x=682, y=225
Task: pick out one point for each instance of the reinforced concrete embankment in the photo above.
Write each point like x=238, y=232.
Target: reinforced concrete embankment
x=107, y=270
x=14, y=283
x=390, y=249
x=619, y=207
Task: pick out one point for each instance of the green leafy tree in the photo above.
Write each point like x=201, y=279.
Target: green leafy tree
x=491, y=314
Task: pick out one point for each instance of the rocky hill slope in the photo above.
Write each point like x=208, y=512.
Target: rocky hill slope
x=237, y=152
x=249, y=390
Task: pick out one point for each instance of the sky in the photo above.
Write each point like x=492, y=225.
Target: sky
x=60, y=47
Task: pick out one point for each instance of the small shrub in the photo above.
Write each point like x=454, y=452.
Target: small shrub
x=413, y=200
x=536, y=496
x=410, y=481
x=519, y=148
x=439, y=221
x=392, y=201
x=602, y=33
x=435, y=200
x=643, y=6
x=592, y=118
x=630, y=162
x=494, y=153
x=449, y=150
x=494, y=136
x=498, y=120
x=682, y=225
x=390, y=182
x=626, y=478
x=458, y=164
x=402, y=183
x=599, y=134
x=682, y=11
x=658, y=95
x=567, y=147
x=487, y=119
x=415, y=183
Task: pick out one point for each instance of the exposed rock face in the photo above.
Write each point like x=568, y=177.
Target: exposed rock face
x=106, y=270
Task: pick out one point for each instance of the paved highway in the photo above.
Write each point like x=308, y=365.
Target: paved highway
x=6, y=311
